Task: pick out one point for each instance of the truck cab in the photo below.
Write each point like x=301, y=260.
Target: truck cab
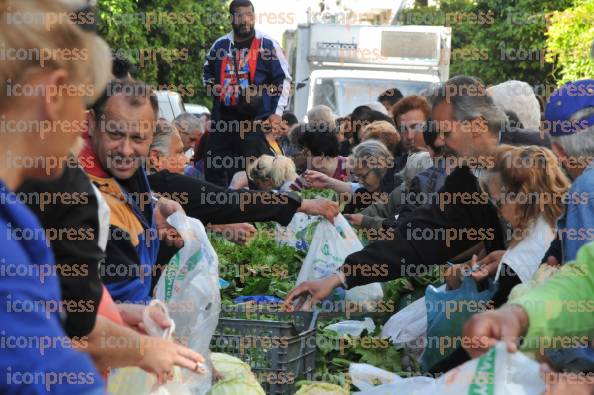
x=344, y=66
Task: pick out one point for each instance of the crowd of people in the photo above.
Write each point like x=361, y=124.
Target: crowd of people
x=477, y=179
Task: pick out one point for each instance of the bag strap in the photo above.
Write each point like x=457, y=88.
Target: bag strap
x=253, y=54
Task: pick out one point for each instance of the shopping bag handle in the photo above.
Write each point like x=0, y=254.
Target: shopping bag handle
x=151, y=326
x=314, y=319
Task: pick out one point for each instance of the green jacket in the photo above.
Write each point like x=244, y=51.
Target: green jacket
x=561, y=310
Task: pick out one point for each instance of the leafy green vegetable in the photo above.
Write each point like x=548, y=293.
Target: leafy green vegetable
x=315, y=193
x=263, y=267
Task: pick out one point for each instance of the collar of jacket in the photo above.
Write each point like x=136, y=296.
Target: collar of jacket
x=109, y=185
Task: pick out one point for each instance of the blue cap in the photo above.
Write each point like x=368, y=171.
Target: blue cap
x=564, y=103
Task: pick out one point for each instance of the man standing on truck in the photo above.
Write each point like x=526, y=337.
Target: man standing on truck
x=248, y=77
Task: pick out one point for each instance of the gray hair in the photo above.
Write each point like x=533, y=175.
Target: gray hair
x=416, y=163
x=579, y=144
x=469, y=100
x=162, y=138
x=187, y=122
x=519, y=98
x=322, y=114
x=373, y=155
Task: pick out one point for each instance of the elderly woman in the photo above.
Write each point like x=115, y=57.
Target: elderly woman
x=369, y=162
x=167, y=149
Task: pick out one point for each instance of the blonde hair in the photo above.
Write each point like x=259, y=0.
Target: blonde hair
x=279, y=169
x=535, y=173
x=383, y=131
x=45, y=38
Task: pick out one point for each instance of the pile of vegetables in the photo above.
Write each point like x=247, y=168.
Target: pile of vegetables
x=264, y=267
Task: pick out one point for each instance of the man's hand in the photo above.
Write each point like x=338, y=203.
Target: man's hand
x=325, y=207
x=237, y=233
x=159, y=356
x=308, y=293
x=163, y=209
x=508, y=324
x=354, y=219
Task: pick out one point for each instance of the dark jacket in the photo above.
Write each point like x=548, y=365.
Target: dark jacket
x=212, y=204
x=72, y=217
x=431, y=234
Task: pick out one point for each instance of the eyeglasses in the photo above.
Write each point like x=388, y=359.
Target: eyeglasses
x=358, y=178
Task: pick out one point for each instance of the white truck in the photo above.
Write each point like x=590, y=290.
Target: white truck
x=344, y=66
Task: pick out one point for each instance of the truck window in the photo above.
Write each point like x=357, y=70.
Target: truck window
x=324, y=93
x=342, y=95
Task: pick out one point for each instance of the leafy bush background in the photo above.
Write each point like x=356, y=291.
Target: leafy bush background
x=121, y=25
x=569, y=41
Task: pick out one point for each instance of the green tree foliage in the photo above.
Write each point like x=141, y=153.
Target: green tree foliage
x=167, y=40
x=495, y=40
x=569, y=40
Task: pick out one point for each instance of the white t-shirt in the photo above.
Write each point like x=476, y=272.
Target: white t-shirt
x=525, y=257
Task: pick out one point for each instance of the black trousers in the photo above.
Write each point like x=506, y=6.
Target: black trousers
x=230, y=147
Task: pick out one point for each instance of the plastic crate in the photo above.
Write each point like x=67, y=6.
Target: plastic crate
x=280, y=347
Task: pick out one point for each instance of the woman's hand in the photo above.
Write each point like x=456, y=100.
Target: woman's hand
x=487, y=267
x=324, y=207
x=133, y=314
x=159, y=356
x=308, y=293
x=315, y=179
x=453, y=276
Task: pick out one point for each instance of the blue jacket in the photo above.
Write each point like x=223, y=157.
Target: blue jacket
x=133, y=244
x=272, y=68
x=36, y=355
x=577, y=224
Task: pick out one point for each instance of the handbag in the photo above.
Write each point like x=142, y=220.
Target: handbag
x=247, y=103
x=447, y=312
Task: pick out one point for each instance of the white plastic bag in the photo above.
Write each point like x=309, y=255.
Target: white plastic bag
x=190, y=287
x=295, y=234
x=331, y=244
x=352, y=327
x=133, y=380
x=408, y=327
x=497, y=373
